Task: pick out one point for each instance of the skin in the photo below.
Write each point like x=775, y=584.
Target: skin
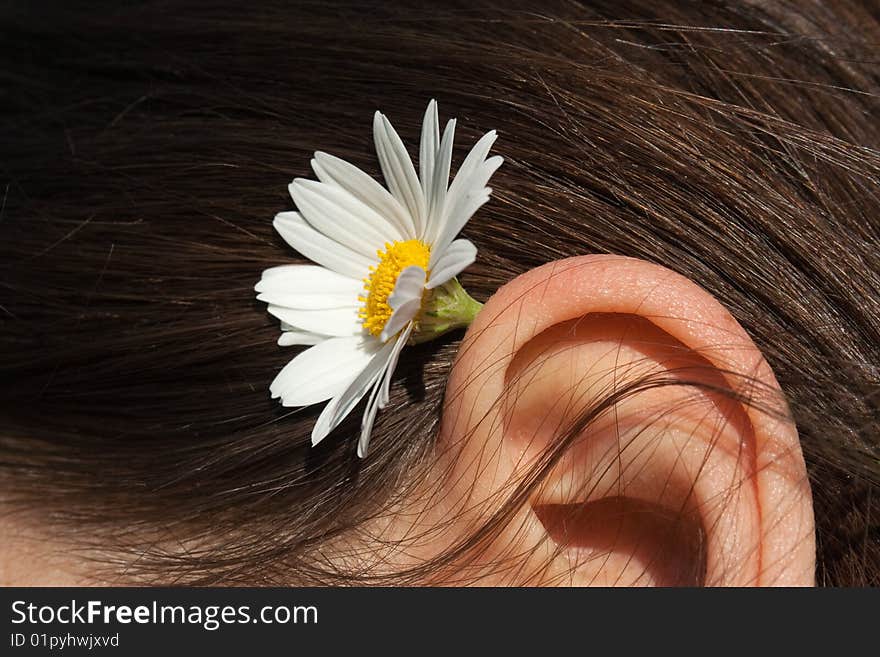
x=679, y=484
x=28, y=557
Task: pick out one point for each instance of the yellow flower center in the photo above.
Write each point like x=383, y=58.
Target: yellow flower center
x=379, y=285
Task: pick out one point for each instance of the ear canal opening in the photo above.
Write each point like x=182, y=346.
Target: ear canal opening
x=635, y=542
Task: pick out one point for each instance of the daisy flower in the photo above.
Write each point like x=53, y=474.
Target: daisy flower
x=384, y=272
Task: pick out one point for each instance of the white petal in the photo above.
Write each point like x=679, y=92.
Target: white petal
x=406, y=313
x=460, y=254
x=293, y=337
x=334, y=171
x=330, y=321
x=341, y=405
x=410, y=285
x=307, y=287
x=381, y=393
x=463, y=202
x=428, y=146
x=323, y=371
x=369, y=417
x=400, y=343
x=303, y=276
x=306, y=301
x=320, y=248
x=342, y=217
x=405, y=300
x=309, y=279
x=400, y=175
x=437, y=192
x=474, y=159
x=471, y=178
x=475, y=182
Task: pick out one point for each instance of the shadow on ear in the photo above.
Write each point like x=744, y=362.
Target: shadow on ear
x=619, y=428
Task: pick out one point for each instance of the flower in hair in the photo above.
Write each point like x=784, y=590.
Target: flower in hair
x=385, y=272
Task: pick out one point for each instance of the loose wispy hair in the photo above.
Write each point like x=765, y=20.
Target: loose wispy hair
x=146, y=147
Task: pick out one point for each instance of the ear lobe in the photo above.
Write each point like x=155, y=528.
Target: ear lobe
x=681, y=480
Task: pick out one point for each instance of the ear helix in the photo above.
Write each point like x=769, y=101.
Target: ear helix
x=698, y=467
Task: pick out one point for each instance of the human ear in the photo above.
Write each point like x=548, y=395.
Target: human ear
x=639, y=427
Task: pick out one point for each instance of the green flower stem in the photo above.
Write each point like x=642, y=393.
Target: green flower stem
x=446, y=308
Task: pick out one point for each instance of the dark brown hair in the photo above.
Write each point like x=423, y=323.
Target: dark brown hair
x=146, y=147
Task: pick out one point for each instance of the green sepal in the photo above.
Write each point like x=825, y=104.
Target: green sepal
x=447, y=307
